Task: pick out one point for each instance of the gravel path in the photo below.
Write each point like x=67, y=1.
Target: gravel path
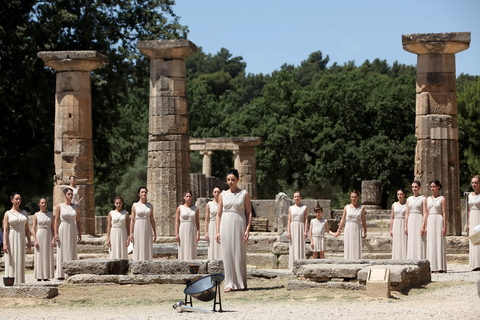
x=452, y=295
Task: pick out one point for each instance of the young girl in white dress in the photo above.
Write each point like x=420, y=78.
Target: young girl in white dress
x=118, y=237
x=318, y=227
x=214, y=248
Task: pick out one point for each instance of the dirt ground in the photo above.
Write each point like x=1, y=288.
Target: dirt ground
x=450, y=296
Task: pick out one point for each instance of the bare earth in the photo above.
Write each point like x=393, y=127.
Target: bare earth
x=452, y=295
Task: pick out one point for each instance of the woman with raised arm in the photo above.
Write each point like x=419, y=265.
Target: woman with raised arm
x=214, y=248
x=44, y=242
x=118, y=228
x=67, y=231
x=436, y=229
x=234, y=219
x=473, y=221
x=415, y=224
x=15, y=231
x=354, y=215
x=143, y=232
x=397, y=227
x=297, y=229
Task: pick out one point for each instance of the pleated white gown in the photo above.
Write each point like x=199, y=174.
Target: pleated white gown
x=44, y=263
x=67, y=232
x=118, y=235
x=15, y=259
x=416, y=243
x=187, y=248
x=297, y=241
x=436, y=242
x=232, y=229
x=353, y=233
x=474, y=251
x=214, y=248
x=399, y=241
x=142, y=232
x=318, y=234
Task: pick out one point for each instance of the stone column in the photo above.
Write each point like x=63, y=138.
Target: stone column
x=372, y=194
x=168, y=143
x=245, y=163
x=207, y=162
x=436, y=154
x=73, y=126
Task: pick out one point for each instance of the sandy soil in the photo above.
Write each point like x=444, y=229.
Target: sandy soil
x=450, y=296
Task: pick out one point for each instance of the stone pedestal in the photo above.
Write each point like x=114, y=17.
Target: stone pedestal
x=168, y=144
x=245, y=163
x=73, y=126
x=436, y=154
x=372, y=194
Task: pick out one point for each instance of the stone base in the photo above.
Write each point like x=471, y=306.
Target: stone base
x=30, y=291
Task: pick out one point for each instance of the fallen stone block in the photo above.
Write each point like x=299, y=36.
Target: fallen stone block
x=262, y=260
x=162, y=266
x=30, y=291
x=268, y=274
x=95, y=266
x=159, y=279
x=92, y=279
x=215, y=266
x=345, y=271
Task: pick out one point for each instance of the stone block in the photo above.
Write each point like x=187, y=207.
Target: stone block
x=29, y=291
x=96, y=266
x=436, y=82
x=158, y=279
x=73, y=81
x=378, y=283
x=168, y=124
x=73, y=115
x=371, y=192
x=162, y=266
x=281, y=248
x=161, y=105
x=262, y=260
x=168, y=87
x=215, y=266
x=444, y=127
x=346, y=271
x=167, y=49
x=282, y=262
x=167, y=68
x=436, y=103
x=436, y=62
x=265, y=209
x=91, y=279
x=260, y=244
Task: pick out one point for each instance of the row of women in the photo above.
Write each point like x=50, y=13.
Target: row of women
x=419, y=226
x=227, y=228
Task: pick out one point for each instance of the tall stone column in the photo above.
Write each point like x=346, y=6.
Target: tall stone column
x=436, y=154
x=245, y=163
x=73, y=126
x=207, y=162
x=168, y=173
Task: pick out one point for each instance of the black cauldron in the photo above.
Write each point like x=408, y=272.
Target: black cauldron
x=203, y=289
x=8, y=281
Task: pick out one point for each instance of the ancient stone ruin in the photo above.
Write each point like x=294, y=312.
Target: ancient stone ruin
x=436, y=154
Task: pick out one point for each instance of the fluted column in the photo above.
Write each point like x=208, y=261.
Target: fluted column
x=73, y=126
x=436, y=154
x=168, y=143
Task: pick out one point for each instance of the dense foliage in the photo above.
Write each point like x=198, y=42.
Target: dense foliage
x=325, y=126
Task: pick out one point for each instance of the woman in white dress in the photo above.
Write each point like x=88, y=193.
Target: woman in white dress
x=214, y=248
x=187, y=228
x=234, y=219
x=436, y=216
x=397, y=227
x=77, y=194
x=118, y=238
x=67, y=231
x=143, y=232
x=297, y=229
x=43, y=242
x=15, y=230
x=415, y=224
x=473, y=221
x=354, y=215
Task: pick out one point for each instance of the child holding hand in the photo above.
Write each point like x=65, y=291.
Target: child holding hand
x=318, y=227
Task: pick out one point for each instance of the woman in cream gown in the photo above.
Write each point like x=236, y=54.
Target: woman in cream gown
x=415, y=224
x=297, y=229
x=187, y=228
x=118, y=238
x=354, y=215
x=473, y=221
x=397, y=227
x=142, y=227
x=15, y=230
x=43, y=242
x=234, y=219
x=214, y=248
x=436, y=229
x=67, y=231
